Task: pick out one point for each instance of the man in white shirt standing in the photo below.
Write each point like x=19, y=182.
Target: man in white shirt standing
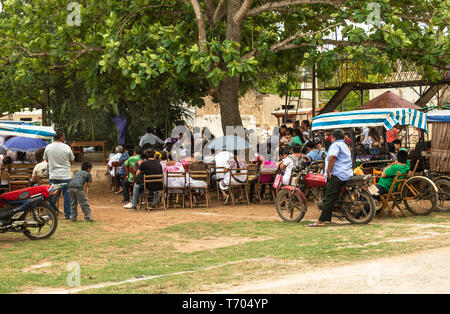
x=60, y=158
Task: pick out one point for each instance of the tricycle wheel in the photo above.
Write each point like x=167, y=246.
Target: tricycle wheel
x=420, y=195
x=443, y=203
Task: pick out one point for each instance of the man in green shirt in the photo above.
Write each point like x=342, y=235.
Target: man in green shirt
x=129, y=163
x=387, y=178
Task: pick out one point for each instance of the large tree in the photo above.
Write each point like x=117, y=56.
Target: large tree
x=142, y=52
x=239, y=41
x=50, y=64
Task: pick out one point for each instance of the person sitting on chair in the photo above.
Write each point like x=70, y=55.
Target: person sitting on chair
x=396, y=147
x=237, y=176
x=40, y=171
x=400, y=165
x=313, y=151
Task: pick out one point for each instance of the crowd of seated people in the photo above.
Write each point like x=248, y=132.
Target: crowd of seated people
x=14, y=159
x=128, y=165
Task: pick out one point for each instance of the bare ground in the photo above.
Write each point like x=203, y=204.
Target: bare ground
x=107, y=208
x=423, y=272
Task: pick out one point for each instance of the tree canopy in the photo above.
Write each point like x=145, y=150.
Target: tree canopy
x=143, y=56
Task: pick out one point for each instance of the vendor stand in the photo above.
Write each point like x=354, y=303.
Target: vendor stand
x=386, y=118
x=419, y=193
x=439, y=157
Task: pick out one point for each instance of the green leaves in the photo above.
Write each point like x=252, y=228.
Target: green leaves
x=134, y=52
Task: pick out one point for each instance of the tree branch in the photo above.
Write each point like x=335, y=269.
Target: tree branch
x=286, y=3
x=241, y=13
x=210, y=9
x=200, y=23
x=220, y=12
x=293, y=37
x=79, y=54
x=340, y=43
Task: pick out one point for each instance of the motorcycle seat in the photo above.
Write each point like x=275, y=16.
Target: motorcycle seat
x=14, y=195
x=357, y=179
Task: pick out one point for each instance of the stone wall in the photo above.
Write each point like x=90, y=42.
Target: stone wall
x=255, y=108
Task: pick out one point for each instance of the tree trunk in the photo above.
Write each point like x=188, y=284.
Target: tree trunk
x=45, y=107
x=228, y=90
x=228, y=93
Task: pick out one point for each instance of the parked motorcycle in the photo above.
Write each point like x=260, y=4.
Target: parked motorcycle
x=30, y=211
x=354, y=204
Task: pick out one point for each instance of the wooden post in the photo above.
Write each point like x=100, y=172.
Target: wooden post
x=314, y=87
x=285, y=110
x=439, y=98
x=362, y=97
x=353, y=147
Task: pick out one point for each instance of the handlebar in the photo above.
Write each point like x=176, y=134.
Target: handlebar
x=307, y=169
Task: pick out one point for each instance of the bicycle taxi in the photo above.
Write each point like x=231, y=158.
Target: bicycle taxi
x=437, y=165
x=418, y=193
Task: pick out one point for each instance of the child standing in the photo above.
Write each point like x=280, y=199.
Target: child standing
x=81, y=180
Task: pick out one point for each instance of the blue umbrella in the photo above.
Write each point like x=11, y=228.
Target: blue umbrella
x=229, y=143
x=24, y=144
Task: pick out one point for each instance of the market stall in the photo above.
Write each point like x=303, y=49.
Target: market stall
x=353, y=120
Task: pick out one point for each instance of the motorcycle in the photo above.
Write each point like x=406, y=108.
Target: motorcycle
x=30, y=211
x=355, y=204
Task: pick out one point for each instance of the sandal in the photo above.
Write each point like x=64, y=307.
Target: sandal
x=316, y=225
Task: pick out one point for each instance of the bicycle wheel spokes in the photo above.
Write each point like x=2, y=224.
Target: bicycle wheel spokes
x=419, y=196
x=443, y=185
x=39, y=222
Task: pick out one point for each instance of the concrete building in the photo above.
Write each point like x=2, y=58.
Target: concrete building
x=25, y=115
x=256, y=111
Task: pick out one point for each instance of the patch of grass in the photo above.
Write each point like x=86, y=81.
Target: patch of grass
x=107, y=257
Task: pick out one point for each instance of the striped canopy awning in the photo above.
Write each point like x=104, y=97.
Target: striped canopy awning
x=16, y=122
x=371, y=117
x=438, y=116
x=25, y=130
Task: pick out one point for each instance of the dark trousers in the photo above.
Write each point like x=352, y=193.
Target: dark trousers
x=66, y=195
x=252, y=189
x=126, y=185
x=332, y=190
x=118, y=180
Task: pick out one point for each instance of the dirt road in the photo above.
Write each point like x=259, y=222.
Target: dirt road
x=423, y=272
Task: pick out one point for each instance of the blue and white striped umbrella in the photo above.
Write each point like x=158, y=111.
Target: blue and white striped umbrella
x=370, y=117
x=32, y=131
